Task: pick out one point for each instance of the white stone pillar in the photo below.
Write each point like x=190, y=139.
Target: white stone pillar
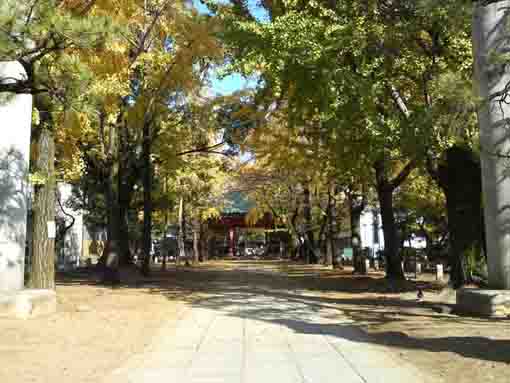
x=491, y=32
x=15, y=123
x=439, y=272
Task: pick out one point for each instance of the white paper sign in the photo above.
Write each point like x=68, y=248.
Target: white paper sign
x=52, y=229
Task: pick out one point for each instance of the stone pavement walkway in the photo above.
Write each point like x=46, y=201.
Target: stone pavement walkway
x=251, y=335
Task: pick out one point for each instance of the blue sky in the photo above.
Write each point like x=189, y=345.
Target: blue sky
x=257, y=11
x=234, y=82
x=231, y=84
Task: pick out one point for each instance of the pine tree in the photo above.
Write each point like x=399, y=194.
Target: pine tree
x=44, y=37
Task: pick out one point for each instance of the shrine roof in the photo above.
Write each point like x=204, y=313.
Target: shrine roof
x=237, y=203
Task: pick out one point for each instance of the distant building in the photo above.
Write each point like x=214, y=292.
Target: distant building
x=81, y=244
x=371, y=231
x=372, y=235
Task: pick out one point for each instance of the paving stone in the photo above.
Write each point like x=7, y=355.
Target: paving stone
x=265, y=340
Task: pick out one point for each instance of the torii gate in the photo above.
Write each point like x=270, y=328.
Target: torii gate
x=231, y=221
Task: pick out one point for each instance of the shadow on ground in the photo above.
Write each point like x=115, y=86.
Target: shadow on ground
x=308, y=300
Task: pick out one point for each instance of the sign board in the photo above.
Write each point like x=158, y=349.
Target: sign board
x=52, y=229
x=348, y=253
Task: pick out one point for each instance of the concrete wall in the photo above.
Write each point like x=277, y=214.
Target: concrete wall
x=15, y=124
x=371, y=224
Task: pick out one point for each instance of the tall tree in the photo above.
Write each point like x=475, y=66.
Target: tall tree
x=368, y=71
x=44, y=36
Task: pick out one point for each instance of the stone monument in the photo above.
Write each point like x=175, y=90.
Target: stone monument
x=15, y=121
x=490, y=39
x=491, y=43
x=15, y=126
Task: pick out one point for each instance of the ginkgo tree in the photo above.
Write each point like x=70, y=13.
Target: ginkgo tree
x=370, y=72
x=284, y=178
x=141, y=83
x=45, y=38
x=199, y=188
x=105, y=73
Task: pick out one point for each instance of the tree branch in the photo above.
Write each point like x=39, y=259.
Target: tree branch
x=399, y=101
x=404, y=173
x=73, y=219
x=204, y=149
x=241, y=9
x=146, y=34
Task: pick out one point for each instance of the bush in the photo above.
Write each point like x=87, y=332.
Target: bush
x=476, y=264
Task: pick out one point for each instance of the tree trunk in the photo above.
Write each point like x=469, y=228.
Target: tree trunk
x=332, y=256
x=163, y=263
x=295, y=232
x=181, y=238
x=309, y=237
x=355, y=215
x=165, y=238
x=460, y=178
x=328, y=260
x=490, y=46
x=203, y=242
x=147, y=199
x=356, y=207
x=112, y=252
x=125, y=196
x=125, y=184
x=196, y=242
x=321, y=243
x=293, y=228
x=211, y=247
x=42, y=272
x=385, y=196
x=125, y=250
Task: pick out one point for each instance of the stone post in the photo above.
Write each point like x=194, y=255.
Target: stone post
x=16, y=119
x=439, y=272
x=367, y=265
x=339, y=262
x=490, y=40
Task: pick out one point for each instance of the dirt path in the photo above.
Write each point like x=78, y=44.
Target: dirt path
x=94, y=331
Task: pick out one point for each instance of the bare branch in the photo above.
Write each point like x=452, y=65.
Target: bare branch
x=397, y=98
x=203, y=149
x=404, y=173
